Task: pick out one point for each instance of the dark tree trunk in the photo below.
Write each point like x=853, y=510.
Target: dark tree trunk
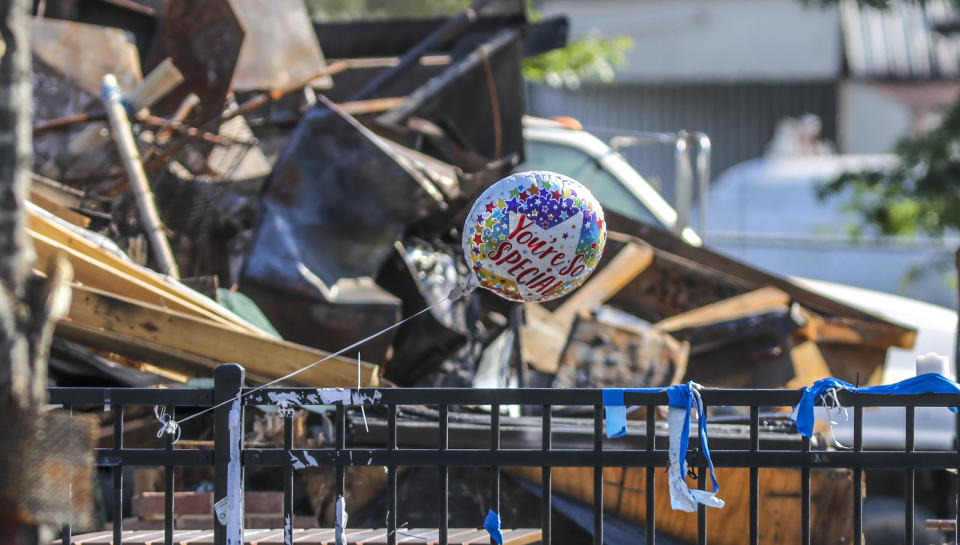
x=21, y=382
x=17, y=380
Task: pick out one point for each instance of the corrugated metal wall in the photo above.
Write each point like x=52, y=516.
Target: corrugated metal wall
x=740, y=118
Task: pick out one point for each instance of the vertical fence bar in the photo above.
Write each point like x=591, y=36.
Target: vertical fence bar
x=444, y=474
x=341, y=438
x=650, y=489
x=956, y=533
x=66, y=533
x=118, y=475
x=754, y=477
x=546, y=503
x=598, y=475
x=858, y=476
x=392, y=477
x=701, y=484
x=909, y=481
x=495, y=469
x=805, y=497
x=227, y=447
x=288, y=480
x=701, y=509
x=168, y=489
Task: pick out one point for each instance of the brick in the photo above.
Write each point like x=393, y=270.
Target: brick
x=263, y=502
x=149, y=505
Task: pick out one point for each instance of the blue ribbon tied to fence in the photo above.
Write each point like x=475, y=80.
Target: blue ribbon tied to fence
x=929, y=383
x=492, y=524
x=682, y=399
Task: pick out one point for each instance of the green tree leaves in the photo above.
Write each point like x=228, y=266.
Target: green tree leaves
x=921, y=195
x=592, y=58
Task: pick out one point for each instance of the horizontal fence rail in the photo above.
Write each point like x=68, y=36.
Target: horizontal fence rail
x=386, y=409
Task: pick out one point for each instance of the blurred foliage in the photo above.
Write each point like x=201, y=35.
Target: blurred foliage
x=351, y=10
x=591, y=58
x=919, y=196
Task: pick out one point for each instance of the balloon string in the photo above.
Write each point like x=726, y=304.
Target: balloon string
x=461, y=289
x=311, y=365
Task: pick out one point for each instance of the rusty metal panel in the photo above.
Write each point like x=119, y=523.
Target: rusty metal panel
x=204, y=41
x=47, y=467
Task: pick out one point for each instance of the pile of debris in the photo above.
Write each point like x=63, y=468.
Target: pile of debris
x=233, y=182
x=256, y=175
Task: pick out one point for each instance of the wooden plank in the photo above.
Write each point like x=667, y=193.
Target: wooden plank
x=824, y=329
x=370, y=106
x=58, y=209
x=64, y=195
x=92, y=537
x=740, y=306
x=414, y=535
x=632, y=260
x=544, y=334
x=362, y=536
x=123, y=271
x=310, y=535
x=475, y=536
x=808, y=365
x=155, y=539
x=854, y=363
x=256, y=537
x=672, y=285
x=169, y=359
x=92, y=272
x=522, y=536
x=542, y=338
x=203, y=536
x=135, y=328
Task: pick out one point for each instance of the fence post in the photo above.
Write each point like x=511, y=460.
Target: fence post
x=227, y=449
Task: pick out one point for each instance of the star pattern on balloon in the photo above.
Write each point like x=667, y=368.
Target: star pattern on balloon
x=547, y=199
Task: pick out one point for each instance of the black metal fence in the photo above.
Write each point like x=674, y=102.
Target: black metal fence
x=229, y=456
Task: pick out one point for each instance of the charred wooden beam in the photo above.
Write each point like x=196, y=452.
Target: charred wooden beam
x=732, y=277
